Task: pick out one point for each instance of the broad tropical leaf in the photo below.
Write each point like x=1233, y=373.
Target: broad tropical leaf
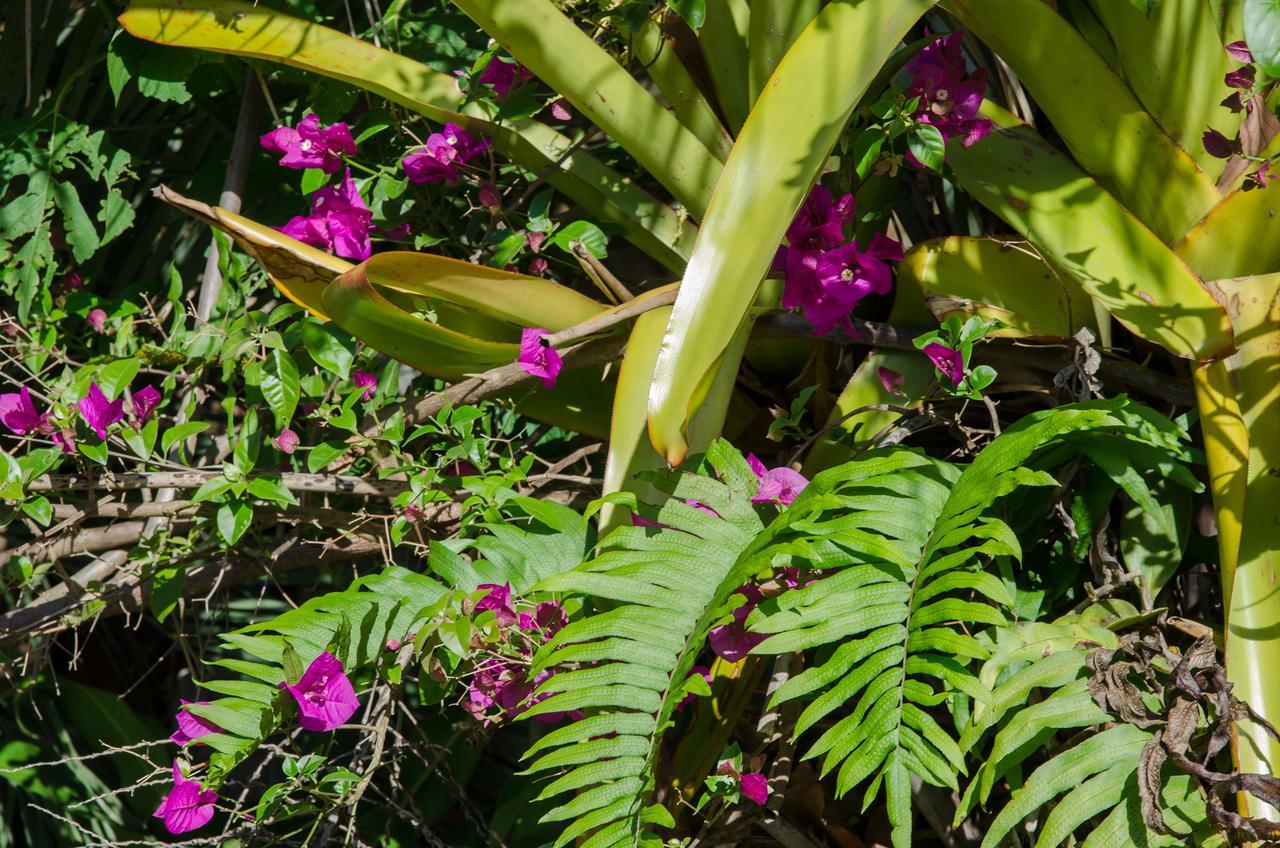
x=1084, y=232
x=1004, y=279
x=1102, y=122
x=1172, y=58
x=542, y=38
x=1252, y=640
x=792, y=128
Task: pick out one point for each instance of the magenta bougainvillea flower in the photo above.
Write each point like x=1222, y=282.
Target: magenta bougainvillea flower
x=339, y=222
x=891, y=380
x=538, y=267
x=489, y=197
x=821, y=221
x=502, y=76
x=97, y=319
x=442, y=157
x=732, y=642
x=826, y=277
x=949, y=100
x=549, y=617
x=1218, y=145
x=186, y=807
x=560, y=110
x=498, y=599
x=948, y=361
x=98, y=412
x=311, y=145
x=537, y=357
x=191, y=726
x=18, y=413
x=754, y=787
x=145, y=401
x=1263, y=175
x=1241, y=78
x=65, y=441
x=777, y=485
x=1239, y=51
x=325, y=696
x=368, y=382
x=286, y=441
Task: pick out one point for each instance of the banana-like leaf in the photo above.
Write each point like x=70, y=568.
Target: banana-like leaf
x=630, y=452
x=1251, y=379
x=1087, y=234
x=1239, y=237
x=779, y=154
x=579, y=401
x=357, y=307
x=241, y=29
x=659, y=56
x=516, y=298
x=997, y=278
x=774, y=28
x=1097, y=115
x=551, y=45
x=1173, y=59
x=723, y=38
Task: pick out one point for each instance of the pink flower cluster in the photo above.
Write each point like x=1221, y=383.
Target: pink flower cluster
x=502, y=683
x=311, y=145
x=339, y=222
x=18, y=413
x=1244, y=98
x=753, y=786
x=949, y=100
x=502, y=76
x=826, y=276
x=777, y=485
x=442, y=157
x=325, y=699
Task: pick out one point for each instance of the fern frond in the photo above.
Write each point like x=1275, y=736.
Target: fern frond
x=658, y=592
x=915, y=535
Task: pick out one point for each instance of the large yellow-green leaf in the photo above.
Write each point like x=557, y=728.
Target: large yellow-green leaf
x=355, y=305
x=630, y=451
x=1172, y=57
x=1253, y=618
x=774, y=27
x=779, y=154
x=1086, y=233
x=564, y=57
x=1240, y=236
x=579, y=401
x=658, y=55
x=1005, y=279
x=723, y=38
x=1096, y=114
x=241, y=29
x=525, y=301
